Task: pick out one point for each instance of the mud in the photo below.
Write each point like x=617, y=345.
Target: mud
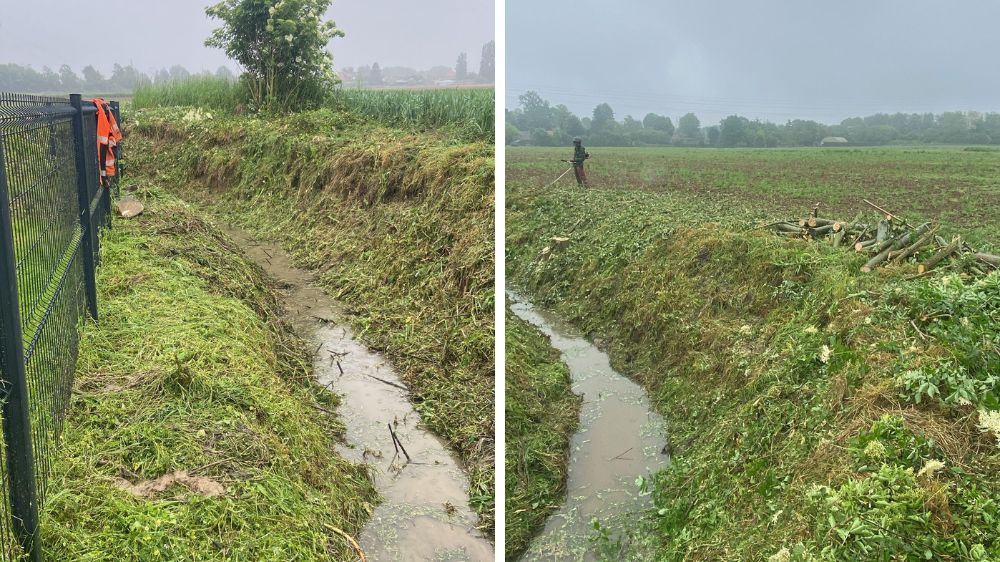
x=619, y=439
x=424, y=514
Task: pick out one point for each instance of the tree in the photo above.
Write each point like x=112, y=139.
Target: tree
x=375, y=75
x=688, y=130
x=281, y=44
x=733, y=131
x=68, y=79
x=631, y=124
x=224, y=73
x=656, y=122
x=462, y=67
x=604, y=116
x=92, y=78
x=713, y=135
x=487, y=64
x=179, y=73
x=511, y=133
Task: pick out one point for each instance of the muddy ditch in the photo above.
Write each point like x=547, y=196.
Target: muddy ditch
x=619, y=439
x=424, y=513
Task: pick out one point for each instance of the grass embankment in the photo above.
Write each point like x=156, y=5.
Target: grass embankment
x=542, y=413
x=814, y=411
x=465, y=113
x=949, y=184
x=397, y=226
x=192, y=369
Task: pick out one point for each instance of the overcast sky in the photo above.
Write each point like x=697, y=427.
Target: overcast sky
x=159, y=33
x=772, y=59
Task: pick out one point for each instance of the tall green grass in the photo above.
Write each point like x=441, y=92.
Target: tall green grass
x=467, y=113
x=469, y=110
x=199, y=91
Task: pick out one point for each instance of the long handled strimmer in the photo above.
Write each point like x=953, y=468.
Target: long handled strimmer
x=561, y=175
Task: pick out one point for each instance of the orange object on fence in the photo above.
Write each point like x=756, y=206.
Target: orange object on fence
x=108, y=135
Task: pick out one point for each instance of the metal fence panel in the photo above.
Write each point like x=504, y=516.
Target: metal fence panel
x=51, y=207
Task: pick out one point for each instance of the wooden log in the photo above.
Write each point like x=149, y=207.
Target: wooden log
x=814, y=222
x=860, y=237
x=882, y=234
x=861, y=246
x=896, y=243
x=820, y=231
x=787, y=227
x=942, y=254
x=844, y=229
x=988, y=258
x=913, y=248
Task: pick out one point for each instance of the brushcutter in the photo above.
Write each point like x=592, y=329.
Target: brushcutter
x=560, y=175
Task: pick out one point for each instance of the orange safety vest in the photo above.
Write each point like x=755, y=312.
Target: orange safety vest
x=108, y=135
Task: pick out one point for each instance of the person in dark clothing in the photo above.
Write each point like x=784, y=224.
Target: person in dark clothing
x=579, y=155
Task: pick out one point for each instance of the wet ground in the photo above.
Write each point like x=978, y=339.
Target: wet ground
x=424, y=514
x=619, y=439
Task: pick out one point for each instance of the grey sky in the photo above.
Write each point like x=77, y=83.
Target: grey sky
x=773, y=59
x=160, y=33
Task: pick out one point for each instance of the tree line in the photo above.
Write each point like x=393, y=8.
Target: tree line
x=535, y=121
x=123, y=79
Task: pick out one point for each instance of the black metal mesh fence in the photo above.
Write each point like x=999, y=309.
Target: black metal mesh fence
x=51, y=207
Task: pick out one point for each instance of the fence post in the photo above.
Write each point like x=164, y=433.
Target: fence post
x=82, y=147
x=16, y=417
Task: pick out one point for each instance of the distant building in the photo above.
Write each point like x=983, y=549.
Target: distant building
x=834, y=141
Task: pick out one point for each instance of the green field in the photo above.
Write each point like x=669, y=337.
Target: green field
x=957, y=186
x=815, y=412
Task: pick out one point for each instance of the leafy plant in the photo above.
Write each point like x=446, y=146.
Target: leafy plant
x=281, y=44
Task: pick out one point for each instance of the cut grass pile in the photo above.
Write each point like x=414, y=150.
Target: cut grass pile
x=192, y=369
x=542, y=414
x=397, y=226
x=815, y=412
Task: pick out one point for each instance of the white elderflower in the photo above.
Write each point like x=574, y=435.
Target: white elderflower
x=782, y=555
x=989, y=421
x=824, y=354
x=931, y=468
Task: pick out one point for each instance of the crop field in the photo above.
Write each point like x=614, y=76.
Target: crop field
x=815, y=412
x=958, y=186
x=464, y=112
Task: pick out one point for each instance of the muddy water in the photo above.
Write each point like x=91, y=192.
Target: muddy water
x=424, y=514
x=619, y=439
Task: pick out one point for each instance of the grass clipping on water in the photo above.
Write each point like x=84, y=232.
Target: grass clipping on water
x=542, y=414
x=397, y=226
x=191, y=369
x=814, y=412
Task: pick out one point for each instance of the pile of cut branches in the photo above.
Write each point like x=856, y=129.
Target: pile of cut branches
x=891, y=239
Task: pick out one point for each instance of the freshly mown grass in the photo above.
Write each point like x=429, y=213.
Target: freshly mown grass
x=946, y=184
x=808, y=404
x=191, y=368
x=397, y=226
x=541, y=415
x=466, y=113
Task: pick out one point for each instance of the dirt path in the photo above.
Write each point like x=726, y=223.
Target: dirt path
x=424, y=514
x=619, y=439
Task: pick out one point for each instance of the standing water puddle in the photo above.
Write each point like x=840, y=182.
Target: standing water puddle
x=619, y=439
x=424, y=514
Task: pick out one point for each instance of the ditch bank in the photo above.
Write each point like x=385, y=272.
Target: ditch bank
x=396, y=226
x=195, y=429
x=618, y=442
x=814, y=411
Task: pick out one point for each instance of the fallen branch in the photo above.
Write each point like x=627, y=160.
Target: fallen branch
x=350, y=539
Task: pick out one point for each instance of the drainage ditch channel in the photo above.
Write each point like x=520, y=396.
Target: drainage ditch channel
x=619, y=439
x=424, y=514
